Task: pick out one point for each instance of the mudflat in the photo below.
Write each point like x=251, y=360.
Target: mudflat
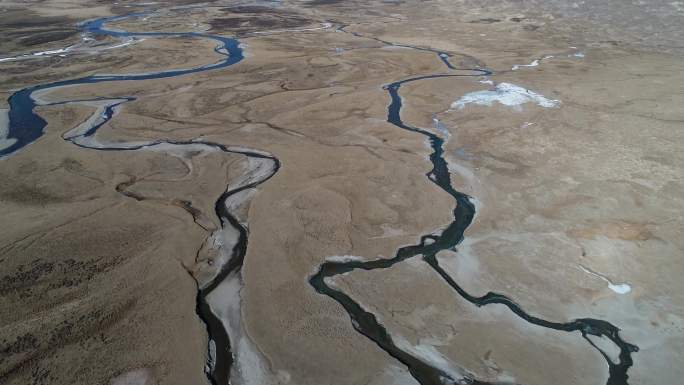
x=341, y=192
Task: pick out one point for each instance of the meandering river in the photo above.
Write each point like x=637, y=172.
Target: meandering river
x=367, y=323
x=25, y=126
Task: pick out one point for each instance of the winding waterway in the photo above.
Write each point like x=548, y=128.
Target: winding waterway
x=367, y=323
x=25, y=126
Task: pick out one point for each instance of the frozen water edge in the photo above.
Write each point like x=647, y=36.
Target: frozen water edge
x=430, y=355
x=507, y=94
x=4, y=130
x=75, y=48
x=344, y=258
x=250, y=366
x=441, y=128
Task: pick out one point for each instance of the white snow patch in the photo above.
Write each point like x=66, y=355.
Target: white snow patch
x=133, y=377
x=52, y=52
x=75, y=48
x=430, y=355
x=476, y=202
x=507, y=94
x=211, y=361
x=620, y=288
x=533, y=64
x=344, y=258
x=37, y=54
x=441, y=128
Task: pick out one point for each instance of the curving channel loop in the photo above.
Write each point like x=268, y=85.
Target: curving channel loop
x=25, y=127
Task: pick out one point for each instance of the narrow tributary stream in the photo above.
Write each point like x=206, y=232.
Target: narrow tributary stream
x=367, y=323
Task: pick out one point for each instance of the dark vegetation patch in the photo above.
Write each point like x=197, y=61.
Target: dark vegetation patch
x=487, y=20
x=42, y=264
x=253, y=9
x=28, y=355
x=22, y=19
x=47, y=37
x=71, y=165
x=28, y=195
x=314, y=3
x=23, y=29
x=229, y=22
x=20, y=344
x=51, y=275
x=244, y=21
x=65, y=282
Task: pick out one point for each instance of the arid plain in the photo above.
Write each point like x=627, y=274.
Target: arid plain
x=173, y=213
